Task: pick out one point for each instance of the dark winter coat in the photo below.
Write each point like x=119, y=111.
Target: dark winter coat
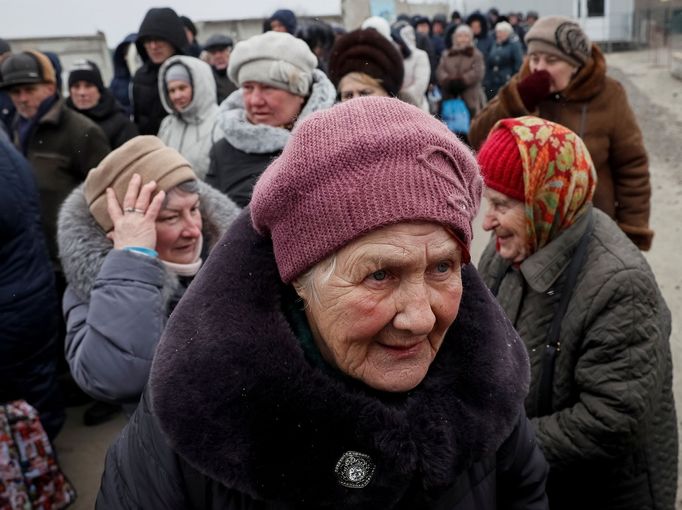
x=117, y=302
x=503, y=62
x=611, y=439
x=109, y=115
x=121, y=82
x=236, y=417
x=7, y=112
x=28, y=300
x=224, y=85
x=596, y=107
x=63, y=147
x=460, y=74
x=238, y=159
x=148, y=112
x=485, y=40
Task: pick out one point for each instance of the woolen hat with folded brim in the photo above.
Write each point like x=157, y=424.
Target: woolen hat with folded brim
x=26, y=68
x=561, y=37
x=367, y=51
x=145, y=155
x=275, y=58
x=357, y=167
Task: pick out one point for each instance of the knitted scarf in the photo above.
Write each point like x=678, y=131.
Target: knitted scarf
x=559, y=177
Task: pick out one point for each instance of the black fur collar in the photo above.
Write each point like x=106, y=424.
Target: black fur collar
x=237, y=399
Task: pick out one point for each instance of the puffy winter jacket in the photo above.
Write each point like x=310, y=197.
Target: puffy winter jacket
x=611, y=436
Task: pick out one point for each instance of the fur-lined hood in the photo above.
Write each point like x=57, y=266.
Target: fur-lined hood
x=238, y=400
x=83, y=244
x=262, y=139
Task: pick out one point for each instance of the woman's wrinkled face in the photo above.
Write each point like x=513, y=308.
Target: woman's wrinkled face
x=561, y=72
x=382, y=314
x=506, y=218
x=178, y=228
x=269, y=105
x=349, y=87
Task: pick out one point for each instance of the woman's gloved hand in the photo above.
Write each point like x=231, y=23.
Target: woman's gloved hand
x=534, y=88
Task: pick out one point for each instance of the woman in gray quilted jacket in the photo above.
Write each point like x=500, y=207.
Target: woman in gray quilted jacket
x=131, y=239
x=588, y=308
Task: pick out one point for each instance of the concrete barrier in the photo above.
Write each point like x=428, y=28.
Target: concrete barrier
x=676, y=65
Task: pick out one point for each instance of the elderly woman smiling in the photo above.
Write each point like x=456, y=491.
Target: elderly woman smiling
x=338, y=351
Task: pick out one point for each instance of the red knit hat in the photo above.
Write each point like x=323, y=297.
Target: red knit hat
x=357, y=167
x=501, y=167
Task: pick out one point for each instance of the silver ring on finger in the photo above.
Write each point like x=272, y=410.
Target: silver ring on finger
x=134, y=210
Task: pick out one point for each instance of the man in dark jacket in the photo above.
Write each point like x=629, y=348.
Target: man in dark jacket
x=87, y=95
x=218, y=47
x=61, y=144
x=161, y=35
x=28, y=302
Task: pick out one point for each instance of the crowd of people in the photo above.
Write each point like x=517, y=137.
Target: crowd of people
x=259, y=250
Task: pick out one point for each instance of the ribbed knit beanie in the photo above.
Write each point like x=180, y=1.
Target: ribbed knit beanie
x=86, y=70
x=367, y=51
x=357, y=167
x=561, y=37
x=501, y=166
x=144, y=155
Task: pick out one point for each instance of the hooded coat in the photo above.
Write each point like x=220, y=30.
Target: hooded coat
x=417, y=69
x=148, y=112
x=111, y=117
x=117, y=302
x=245, y=151
x=273, y=425
x=121, y=81
x=611, y=438
x=595, y=107
x=193, y=131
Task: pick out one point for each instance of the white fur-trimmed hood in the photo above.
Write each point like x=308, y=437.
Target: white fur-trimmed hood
x=262, y=139
x=83, y=244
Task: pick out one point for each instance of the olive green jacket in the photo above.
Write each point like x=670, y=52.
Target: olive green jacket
x=611, y=439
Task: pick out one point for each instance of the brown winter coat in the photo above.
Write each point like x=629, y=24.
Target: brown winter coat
x=470, y=70
x=611, y=436
x=62, y=149
x=594, y=106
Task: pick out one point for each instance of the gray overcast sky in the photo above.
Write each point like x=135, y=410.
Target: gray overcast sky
x=116, y=18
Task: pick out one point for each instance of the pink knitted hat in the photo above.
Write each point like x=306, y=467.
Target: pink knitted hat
x=359, y=166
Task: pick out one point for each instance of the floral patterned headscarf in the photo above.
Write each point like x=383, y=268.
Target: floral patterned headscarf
x=559, y=177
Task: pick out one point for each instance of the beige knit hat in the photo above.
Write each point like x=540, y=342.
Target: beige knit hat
x=144, y=155
x=561, y=37
x=275, y=58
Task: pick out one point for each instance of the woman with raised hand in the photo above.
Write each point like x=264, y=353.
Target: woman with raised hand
x=131, y=239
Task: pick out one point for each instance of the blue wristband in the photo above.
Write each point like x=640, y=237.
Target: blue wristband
x=144, y=251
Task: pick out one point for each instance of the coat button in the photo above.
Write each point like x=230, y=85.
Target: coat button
x=354, y=470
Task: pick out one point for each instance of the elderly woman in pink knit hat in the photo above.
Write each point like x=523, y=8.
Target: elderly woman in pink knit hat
x=338, y=350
